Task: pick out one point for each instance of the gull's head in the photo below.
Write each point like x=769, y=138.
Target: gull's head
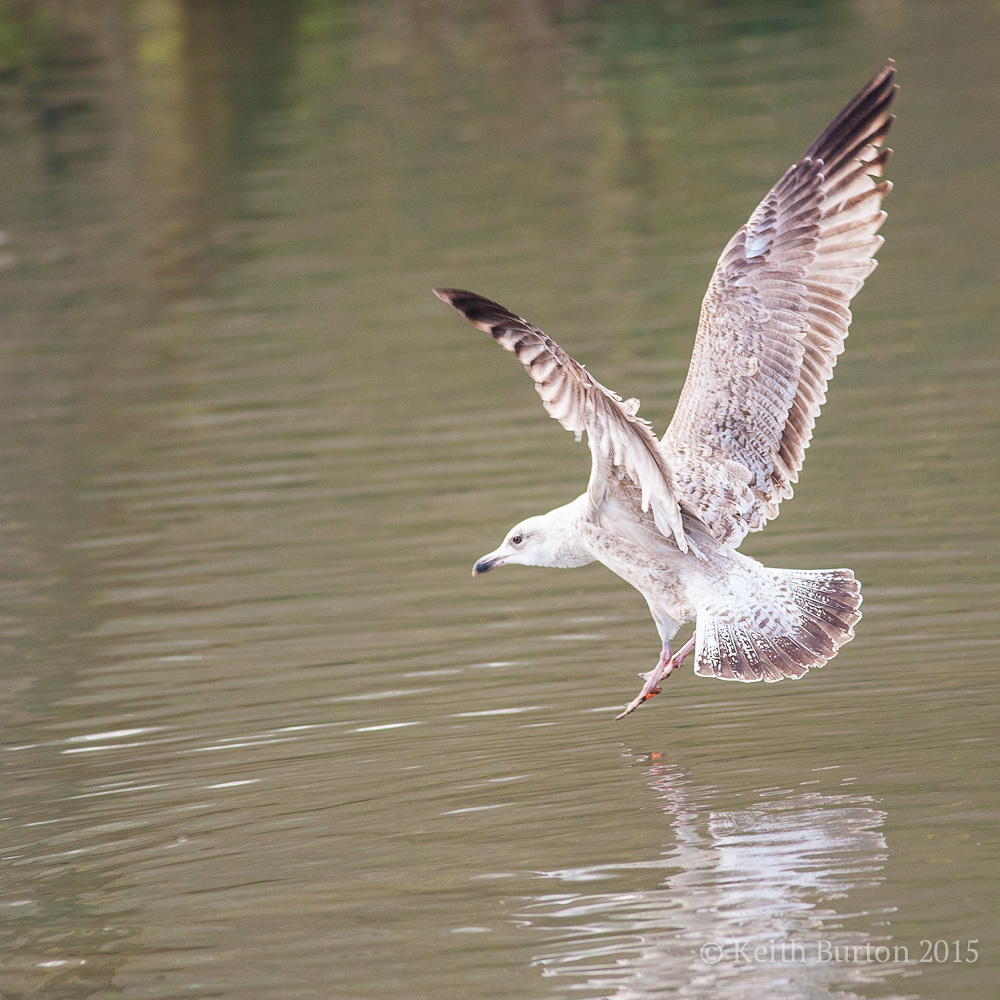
x=534, y=542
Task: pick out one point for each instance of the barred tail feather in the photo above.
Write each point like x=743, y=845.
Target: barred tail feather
x=802, y=619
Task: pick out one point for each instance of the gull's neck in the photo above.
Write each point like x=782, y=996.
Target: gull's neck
x=565, y=530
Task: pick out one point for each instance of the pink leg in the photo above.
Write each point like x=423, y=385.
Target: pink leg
x=684, y=650
x=665, y=666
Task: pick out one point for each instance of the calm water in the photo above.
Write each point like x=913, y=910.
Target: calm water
x=263, y=737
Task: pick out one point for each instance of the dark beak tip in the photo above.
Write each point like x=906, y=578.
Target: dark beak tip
x=483, y=566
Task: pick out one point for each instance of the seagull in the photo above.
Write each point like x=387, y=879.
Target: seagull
x=668, y=514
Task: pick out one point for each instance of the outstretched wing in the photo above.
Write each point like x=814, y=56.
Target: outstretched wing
x=774, y=320
x=619, y=439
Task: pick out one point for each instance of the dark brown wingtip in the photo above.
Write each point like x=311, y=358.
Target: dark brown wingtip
x=462, y=300
x=480, y=311
x=879, y=80
x=858, y=120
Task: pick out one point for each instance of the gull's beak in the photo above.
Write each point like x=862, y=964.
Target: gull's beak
x=487, y=563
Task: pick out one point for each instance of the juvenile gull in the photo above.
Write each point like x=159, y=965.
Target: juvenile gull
x=669, y=514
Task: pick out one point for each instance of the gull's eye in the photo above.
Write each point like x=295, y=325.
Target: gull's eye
x=517, y=539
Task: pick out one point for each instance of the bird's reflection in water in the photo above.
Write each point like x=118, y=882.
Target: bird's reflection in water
x=787, y=869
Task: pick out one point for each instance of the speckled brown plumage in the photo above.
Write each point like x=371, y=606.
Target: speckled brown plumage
x=668, y=515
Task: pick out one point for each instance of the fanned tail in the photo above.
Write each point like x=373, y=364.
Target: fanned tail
x=800, y=618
